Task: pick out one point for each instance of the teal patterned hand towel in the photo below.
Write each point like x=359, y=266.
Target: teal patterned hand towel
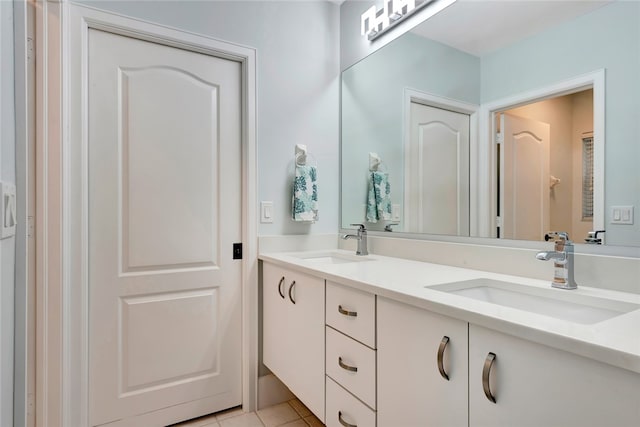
x=305, y=194
x=379, y=197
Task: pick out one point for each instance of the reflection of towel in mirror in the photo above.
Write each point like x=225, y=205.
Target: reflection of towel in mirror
x=379, y=197
x=305, y=194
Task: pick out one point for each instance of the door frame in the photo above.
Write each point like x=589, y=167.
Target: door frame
x=62, y=339
x=486, y=179
x=431, y=100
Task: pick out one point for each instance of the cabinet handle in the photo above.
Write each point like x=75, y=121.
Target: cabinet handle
x=441, y=348
x=290, y=290
x=280, y=291
x=343, y=422
x=346, y=367
x=486, y=372
x=347, y=312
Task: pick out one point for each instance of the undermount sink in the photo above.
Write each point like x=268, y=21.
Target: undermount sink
x=560, y=304
x=332, y=258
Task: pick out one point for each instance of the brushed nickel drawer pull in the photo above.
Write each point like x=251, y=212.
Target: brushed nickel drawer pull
x=290, y=290
x=347, y=312
x=346, y=367
x=441, y=348
x=486, y=372
x=280, y=290
x=343, y=422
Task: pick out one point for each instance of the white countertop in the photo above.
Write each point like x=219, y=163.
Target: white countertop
x=615, y=341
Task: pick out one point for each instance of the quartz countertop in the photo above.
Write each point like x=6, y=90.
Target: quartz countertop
x=615, y=341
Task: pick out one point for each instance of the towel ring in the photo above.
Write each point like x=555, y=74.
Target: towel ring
x=314, y=162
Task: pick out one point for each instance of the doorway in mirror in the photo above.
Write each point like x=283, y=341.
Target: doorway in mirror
x=545, y=175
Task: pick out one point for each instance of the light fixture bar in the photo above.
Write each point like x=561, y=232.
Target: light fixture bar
x=374, y=22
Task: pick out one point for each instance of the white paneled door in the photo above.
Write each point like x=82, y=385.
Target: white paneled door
x=524, y=178
x=438, y=176
x=164, y=167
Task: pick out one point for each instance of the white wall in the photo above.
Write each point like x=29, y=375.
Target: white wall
x=298, y=87
x=7, y=246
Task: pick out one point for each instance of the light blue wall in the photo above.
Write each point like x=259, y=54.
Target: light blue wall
x=607, y=38
x=298, y=87
x=7, y=246
x=372, y=109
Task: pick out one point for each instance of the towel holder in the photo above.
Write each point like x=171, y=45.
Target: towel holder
x=302, y=156
x=303, y=160
x=376, y=164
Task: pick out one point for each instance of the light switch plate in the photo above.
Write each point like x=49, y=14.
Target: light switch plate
x=8, y=217
x=266, y=212
x=622, y=215
x=395, y=212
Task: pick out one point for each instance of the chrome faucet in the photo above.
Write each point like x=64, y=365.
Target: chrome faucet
x=562, y=257
x=362, y=239
x=389, y=226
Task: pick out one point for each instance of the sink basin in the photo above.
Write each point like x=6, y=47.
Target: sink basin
x=560, y=304
x=333, y=258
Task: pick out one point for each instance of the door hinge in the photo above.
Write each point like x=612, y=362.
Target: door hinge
x=237, y=251
x=498, y=221
x=30, y=49
x=499, y=138
x=31, y=227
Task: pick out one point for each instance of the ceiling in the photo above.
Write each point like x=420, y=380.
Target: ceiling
x=482, y=26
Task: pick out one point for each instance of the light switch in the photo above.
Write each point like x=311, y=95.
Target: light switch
x=395, y=212
x=8, y=215
x=616, y=215
x=622, y=215
x=266, y=212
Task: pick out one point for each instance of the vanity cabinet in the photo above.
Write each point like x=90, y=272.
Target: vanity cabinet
x=293, y=333
x=422, y=367
x=350, y=357
x=358, y=359
x=535, y=385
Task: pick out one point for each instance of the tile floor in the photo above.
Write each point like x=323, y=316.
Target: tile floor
x=289, y=414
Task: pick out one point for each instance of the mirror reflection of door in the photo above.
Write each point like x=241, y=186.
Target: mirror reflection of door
x=437, y=178
x=525, y=171
x=546, y=176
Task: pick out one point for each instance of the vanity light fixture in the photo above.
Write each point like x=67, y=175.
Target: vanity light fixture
x=375, y=22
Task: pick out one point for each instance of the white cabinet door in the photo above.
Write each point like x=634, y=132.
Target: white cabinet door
x=411, y=389
x=293, y=333
x=534, y=385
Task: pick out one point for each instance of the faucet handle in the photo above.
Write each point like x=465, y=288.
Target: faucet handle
x=592, y=237
x=360, y=227
x=555, y=235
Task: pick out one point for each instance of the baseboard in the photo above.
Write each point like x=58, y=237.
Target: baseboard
x=272, y=391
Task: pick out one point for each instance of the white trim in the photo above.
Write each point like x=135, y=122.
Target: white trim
x=24, y=378
x=62, y=215
x=486, y=177
x=425, y=98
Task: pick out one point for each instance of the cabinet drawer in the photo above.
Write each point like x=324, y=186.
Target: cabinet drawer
x=352, y=312
x=342, y=406
x=352, y=365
